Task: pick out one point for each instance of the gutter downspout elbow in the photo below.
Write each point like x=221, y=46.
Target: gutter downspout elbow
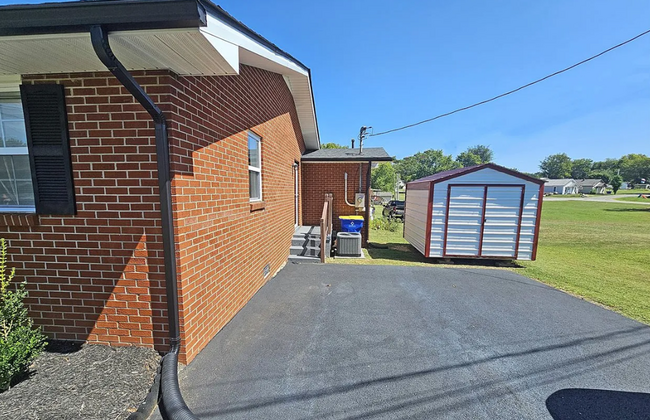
x=173, y=406
x=346, y=191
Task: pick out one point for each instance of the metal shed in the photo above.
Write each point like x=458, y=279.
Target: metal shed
x=483, y=211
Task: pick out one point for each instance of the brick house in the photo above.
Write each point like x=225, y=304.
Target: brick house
x=324, y=171
x=154, y=166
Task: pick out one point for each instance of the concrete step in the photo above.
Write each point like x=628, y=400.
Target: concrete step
x=298, y=259
x=305, y=251
x=307, y=230
x=305, y=241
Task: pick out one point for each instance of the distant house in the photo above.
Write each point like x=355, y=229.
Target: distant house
x=560, y=186
x=591, y=186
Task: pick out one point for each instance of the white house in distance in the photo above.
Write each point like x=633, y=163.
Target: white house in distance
x=560, y=186
x=483, y=211
x=591, y=186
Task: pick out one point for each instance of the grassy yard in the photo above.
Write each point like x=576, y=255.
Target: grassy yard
x=600, y=251
x=636, y=191
x=635, y=198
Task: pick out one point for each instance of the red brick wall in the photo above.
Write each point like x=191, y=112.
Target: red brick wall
x=98, y=276
x=320, y=178
x=223, y=244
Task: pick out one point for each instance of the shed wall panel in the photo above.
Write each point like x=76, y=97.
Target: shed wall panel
x=415, y=220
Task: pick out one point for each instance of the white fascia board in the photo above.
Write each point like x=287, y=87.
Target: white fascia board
x=229, y=51
x=255, y=54
x=219, y=29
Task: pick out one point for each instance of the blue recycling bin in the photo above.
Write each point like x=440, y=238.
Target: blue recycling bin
x=351, y=223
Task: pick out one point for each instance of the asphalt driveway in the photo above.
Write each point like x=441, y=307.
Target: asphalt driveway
x=379, y=342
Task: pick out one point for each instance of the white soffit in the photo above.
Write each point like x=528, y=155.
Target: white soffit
x=254, y=54
x=214, y=50
x=184, y=51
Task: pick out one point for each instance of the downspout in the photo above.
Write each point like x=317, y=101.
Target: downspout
x=173, y=406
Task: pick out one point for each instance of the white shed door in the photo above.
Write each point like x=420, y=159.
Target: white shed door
x=464, y=220
x=502, y=221
x=483, y=221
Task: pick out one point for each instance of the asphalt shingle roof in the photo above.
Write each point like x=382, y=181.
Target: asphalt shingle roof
x=590, y=182
x=375, y=154
x=558, y=182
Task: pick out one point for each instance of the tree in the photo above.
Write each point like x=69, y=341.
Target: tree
x=475, y=155
x=616, y=182
x=424, y=164
x=468, y=159
x=605, y=176
x=606, y=165
x=634, y=167
x=333, y=146
x=483, y=152
x=531, y=174
x=580, y=168
x=383, y=177
x=556, y=166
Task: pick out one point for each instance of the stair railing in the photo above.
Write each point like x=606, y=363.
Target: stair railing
x=326, y=227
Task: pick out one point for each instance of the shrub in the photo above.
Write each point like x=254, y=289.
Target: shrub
x=20, y=342
x=385, y=224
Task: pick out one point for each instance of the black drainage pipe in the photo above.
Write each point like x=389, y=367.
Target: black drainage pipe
x=173, y=406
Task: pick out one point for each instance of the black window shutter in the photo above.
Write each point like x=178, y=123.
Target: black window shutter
x=49, y=148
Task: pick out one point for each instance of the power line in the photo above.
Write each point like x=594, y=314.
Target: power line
x=514, y=90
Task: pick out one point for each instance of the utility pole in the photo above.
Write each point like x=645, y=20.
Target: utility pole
x=363, y=133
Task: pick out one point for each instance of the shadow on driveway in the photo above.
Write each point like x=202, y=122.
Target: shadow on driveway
x=598, y=404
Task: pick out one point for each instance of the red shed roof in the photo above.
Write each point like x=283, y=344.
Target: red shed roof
x=445, y=175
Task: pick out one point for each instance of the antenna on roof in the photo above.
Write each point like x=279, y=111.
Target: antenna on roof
x=363, y=133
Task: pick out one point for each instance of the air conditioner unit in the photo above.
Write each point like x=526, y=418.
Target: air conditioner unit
x=348, y=244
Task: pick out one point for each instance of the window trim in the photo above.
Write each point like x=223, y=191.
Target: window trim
x=258, y=139
x=11, y=85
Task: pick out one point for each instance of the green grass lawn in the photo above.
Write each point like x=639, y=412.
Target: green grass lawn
x=636, y=191
x=600, y=251
x=635, y=198
x=596, y=250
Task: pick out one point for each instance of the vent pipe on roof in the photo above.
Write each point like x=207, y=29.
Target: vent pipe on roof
x=172, y=404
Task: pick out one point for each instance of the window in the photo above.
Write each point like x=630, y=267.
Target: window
x=16, y=191
x=254, y=167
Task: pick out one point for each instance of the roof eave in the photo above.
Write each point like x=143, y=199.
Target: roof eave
x=136, y=15
x=51, y=18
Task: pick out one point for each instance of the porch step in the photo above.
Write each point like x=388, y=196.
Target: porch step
x=299, y=259
x=305, y=240
x=307, y=230
x=310, y=251
x=305, y=245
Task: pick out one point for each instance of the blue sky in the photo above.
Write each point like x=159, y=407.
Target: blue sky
x=387, y=64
